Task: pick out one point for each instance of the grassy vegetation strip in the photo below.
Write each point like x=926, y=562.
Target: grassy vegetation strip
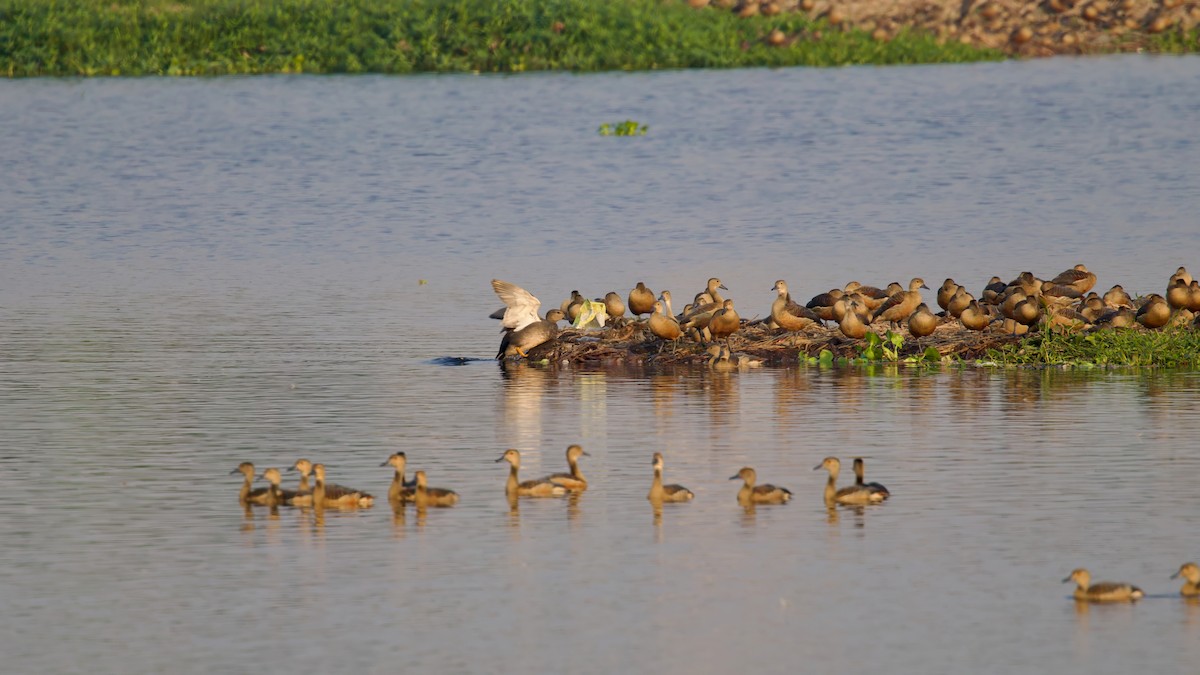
x=1171, y=348
x=213, y=37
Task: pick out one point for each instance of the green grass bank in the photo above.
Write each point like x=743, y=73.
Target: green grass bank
x=1168, y=348
x=218, y=37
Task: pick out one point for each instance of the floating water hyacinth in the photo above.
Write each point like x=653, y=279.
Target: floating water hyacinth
x=626, y=128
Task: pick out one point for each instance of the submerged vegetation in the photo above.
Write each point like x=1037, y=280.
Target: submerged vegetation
x=215, y=37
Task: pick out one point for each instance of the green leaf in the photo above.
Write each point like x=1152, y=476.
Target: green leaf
x=825, y=356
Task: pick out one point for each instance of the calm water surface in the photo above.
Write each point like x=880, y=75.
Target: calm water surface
x=194, y=273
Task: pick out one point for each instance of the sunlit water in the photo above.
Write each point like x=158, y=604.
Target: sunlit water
x=194, y=273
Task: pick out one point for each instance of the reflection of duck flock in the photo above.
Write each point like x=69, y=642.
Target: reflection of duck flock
x=1064, y=302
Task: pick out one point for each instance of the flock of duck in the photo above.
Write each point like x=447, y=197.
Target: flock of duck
x=1065, y=301
x=402, y=492
x=321, y=494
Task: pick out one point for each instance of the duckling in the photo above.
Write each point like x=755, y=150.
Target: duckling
x=853, y=494
x=945, y=292
x=614, y=306
x=573, y=480
x=1181, y=273
x=663, y=326
x=249, y=494
x=1154, y=312
x=822, y=305
x=714, y=284
x=1104, y=591
x=666, y=493
x=275, y=496
x=719, y=358
x=426, y=496
x=852, y=325
x=1194, y=296
x=899, y=306
x=1078, y=276
x=1117, y=297
x=848, y=302
x=974, y=317
x=761, y=494
x=893, y=288
x=922, y=322
x=725, y=323
x=859, y=470
x=992, y=291
x=958, y=302
x=1179, y=296
x=1191, y=575
x=336, y=495
x=530, y=488
x=641, y=300
x=400, y=490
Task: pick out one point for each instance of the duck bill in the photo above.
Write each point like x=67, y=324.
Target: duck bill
x=385, y=463
x=818, y=467
x=500, y=459
x=235, y=471
x=734, y=477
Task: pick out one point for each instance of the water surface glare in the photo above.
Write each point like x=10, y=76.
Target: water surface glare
x=196, y=273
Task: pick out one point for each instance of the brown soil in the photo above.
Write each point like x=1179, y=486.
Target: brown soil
x=1017, y=27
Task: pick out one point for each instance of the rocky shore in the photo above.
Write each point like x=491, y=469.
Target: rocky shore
x=1015, y=27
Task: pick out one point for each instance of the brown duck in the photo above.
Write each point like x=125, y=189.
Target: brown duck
x=899, y=306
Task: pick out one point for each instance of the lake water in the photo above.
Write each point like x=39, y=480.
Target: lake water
x=194, y=273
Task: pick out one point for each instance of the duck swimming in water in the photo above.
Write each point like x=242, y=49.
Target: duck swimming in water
x=666, y=493
x=573, y=480
x=249, y=493
x=851, y=495
x=1102, y=591
x=758, y=494
x=426, y=496
x=530, y=488
x=400, y=490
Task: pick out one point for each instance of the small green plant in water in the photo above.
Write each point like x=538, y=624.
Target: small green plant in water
x=626, y=128
x=886, y=348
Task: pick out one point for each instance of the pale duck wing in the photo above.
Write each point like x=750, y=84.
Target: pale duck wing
x=522, y=307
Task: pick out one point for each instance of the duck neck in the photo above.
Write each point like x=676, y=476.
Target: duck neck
x=575, y=472
x=246, y=487
x=656, y=486
x=831, y=486
x=513, y=482
x=304, y=482
x=396, y=486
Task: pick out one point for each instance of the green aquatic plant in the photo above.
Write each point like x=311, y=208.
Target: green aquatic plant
x=1171, y=348
x=215, y=37
x=886, y=348
x=626, y=128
